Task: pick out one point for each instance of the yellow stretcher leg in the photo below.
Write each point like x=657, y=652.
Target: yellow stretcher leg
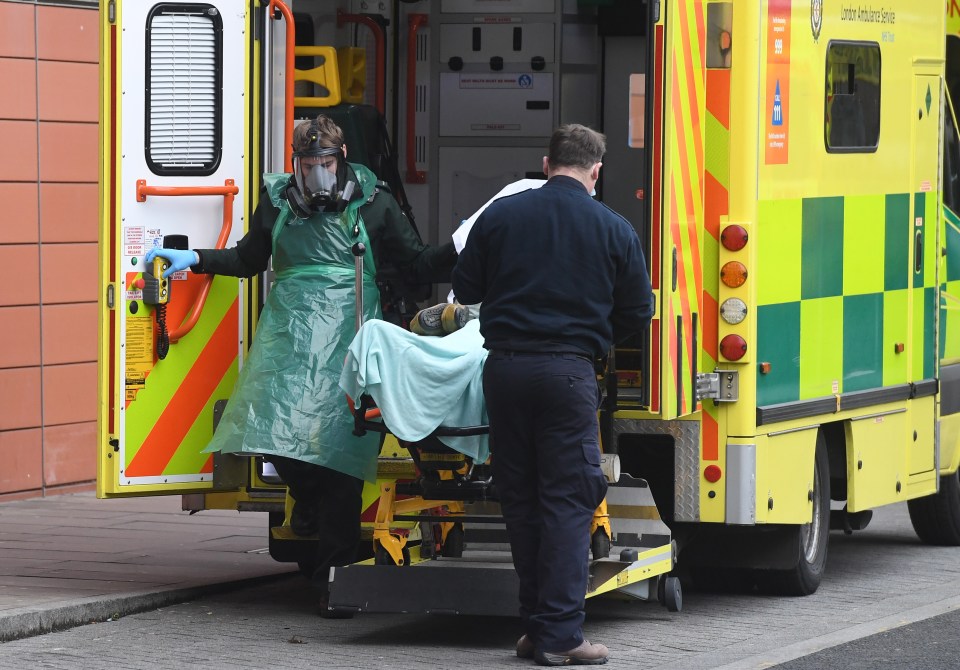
x=393, y=544
x=601, y=519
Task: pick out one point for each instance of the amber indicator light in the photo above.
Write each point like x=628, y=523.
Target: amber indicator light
x=733, y=274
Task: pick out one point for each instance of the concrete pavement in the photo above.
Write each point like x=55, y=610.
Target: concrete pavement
x=71, y=559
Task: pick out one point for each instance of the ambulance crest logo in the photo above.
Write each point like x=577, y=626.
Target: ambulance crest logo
x=816, y=18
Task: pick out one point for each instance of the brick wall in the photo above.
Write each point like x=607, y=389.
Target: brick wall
x=48, y=248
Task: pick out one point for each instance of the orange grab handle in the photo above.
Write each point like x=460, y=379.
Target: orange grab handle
x=228, y=191
x=288, y=80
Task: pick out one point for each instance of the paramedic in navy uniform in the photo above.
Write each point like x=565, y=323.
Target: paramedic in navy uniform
x=561, y=277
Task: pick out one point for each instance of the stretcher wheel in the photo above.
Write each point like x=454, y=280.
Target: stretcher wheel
x=669, y=593
x=600, y=544
x=382, y=557
x=453, y=545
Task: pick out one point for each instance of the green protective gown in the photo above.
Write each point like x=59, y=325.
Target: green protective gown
x=287, y=400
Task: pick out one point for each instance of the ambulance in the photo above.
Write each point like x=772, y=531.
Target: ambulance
x=792, y=168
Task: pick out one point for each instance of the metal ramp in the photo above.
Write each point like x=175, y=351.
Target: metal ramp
x=482, y=580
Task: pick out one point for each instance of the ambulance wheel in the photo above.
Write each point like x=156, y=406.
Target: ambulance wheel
x=936, y=518
x=453, y=545
x=600, y=544
x=382, y=557
x=804, y=577
x=670, y=593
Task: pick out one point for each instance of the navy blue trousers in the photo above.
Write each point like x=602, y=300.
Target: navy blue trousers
x=546, y=466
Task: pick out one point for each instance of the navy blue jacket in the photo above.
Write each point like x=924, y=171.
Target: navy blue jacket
x=556, y=271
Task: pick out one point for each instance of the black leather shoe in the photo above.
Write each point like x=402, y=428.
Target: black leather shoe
x=585, y=654
x=525, y=647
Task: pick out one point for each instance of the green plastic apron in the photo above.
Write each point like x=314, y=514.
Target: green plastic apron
x=287, y=400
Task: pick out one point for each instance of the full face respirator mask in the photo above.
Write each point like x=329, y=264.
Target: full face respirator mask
x=320, y=182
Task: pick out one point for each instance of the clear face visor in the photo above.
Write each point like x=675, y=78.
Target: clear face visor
x=320, y=175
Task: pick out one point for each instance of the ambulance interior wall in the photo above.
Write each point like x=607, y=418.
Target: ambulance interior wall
x=48, y=248
x=480, y=128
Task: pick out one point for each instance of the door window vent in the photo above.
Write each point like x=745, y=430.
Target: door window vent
x=184, y=93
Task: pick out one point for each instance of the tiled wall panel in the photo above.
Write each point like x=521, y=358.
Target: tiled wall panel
x=49, y=152
x=69, y=151
x=20, y=453
x=18, y=224
x=18, y=160
x=69, y=273
x=69, y=333
x=69, y=453
x=19, y=336
x=19, y=274
x=69, y=393
x=68, y=212
x=67, y=34
x=20, y=398
x=68, y=91
x=17, y=32
x=19, y=77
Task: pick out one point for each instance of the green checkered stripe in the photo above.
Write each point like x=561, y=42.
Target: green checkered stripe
x=837, y=290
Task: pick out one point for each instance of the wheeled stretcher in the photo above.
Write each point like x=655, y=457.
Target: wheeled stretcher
x=440, y=544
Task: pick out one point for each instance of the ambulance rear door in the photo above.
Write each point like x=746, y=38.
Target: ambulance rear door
x=175, y=171
x=678, y=150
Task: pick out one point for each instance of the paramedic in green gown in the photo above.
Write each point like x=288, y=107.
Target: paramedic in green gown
x=287, y=405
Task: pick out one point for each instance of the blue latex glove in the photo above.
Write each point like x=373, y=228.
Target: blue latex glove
x=180, y=259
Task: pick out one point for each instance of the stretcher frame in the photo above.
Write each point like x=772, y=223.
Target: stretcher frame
x=434, y=577
x=477, y=575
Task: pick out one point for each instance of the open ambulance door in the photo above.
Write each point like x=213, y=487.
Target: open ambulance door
x=175, y=171
x=677, y=207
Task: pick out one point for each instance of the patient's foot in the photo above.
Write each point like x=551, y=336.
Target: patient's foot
x=428, y=321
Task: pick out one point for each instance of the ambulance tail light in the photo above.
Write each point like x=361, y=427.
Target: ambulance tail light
x=733, y=347
x=734, y=238
x=733, y=294
x=733, y=274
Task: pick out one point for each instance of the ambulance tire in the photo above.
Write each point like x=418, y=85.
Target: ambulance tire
x=936, y=518
x=804, y=578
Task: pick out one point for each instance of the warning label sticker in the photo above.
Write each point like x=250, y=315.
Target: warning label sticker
x=498, y=81
x=139, y=355
x=133, y=243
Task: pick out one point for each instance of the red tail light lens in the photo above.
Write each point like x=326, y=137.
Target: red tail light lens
x=734, y=238
x=733, y=347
